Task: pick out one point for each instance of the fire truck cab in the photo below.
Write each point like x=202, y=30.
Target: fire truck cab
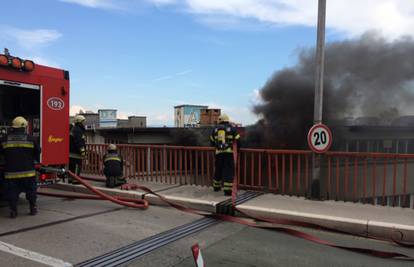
x=41, y=95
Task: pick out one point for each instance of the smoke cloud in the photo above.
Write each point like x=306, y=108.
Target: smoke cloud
x=369, y=76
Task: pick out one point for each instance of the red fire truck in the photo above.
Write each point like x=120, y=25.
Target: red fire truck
x=41, y=95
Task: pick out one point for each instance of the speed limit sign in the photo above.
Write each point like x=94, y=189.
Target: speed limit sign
x=319, y=138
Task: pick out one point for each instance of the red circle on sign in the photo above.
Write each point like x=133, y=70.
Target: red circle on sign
x=313, y=130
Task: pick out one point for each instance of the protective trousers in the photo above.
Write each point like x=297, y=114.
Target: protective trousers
x=224, y=172
x=113, y=181
x=75, y=166
x=16, y=186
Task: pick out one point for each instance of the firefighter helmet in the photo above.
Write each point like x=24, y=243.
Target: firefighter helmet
x=79, y=119
x=19, y=122
x=112, y=147
x=223, y=118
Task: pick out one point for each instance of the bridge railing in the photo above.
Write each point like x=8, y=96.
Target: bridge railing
x=158, y=163
x=376, y=178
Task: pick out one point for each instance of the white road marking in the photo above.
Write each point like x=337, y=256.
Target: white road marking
x=33, y=256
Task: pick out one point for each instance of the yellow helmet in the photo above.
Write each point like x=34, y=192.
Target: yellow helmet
x=112, y=147
x=19, y=122
x=79, y=119
x=223, y=118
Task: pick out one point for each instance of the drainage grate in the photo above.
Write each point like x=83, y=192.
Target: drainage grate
x=226, y=207
x=142, y=247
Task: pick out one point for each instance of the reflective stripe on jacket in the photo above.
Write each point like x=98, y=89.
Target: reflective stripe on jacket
x=77, y=146
x=223, y=137
x=20, y=151
x=22, y=174
x=113, y=164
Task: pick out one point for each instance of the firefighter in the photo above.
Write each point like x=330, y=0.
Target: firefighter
x=113, y=167
x=77, y=143
x=222, y=138
x=20, y=152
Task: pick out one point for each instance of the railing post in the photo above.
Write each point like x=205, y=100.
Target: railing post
x=148, y=162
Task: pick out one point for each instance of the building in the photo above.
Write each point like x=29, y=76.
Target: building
x=209, y=116
x=107, y=118
x=152, y=135
x=92, y=120
x=133, y=121
x=187, y=115
x=372, y=134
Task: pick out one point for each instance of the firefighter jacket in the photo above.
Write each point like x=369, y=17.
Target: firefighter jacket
x=113, y=164
x=223, y=137
x=20, y=153
x=77, y=142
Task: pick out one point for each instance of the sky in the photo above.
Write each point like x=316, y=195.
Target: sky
x=143, y=57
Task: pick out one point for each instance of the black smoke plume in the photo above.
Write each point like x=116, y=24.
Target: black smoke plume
x=368, y=76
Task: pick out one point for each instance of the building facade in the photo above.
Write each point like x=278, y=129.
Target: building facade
x=133, y=121
x=107, y=118
x=187, y=115
x=209, y=116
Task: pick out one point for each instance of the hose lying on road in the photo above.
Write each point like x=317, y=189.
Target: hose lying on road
x=270, y=224
x=128, y=202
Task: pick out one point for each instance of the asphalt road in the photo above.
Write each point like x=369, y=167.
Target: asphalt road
x=74, y=231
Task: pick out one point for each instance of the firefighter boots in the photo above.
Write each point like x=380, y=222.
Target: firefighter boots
x=13, y=214
x=33, y=209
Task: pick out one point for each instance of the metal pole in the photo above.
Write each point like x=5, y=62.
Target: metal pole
x=317, y=115
x=320, y=59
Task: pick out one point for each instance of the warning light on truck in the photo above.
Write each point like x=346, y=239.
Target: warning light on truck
x=16, y=63
x=4, y=61
x=28, y=65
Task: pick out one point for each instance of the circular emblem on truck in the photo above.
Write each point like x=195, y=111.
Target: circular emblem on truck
x=55, y=103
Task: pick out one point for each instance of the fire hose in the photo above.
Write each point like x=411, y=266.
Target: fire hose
x=99, y=195
x=259, y=222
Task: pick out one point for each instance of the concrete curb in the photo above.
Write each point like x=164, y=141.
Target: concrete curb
x=361, y=227
x=355, y=226
x=199, y=204
x=391, y=230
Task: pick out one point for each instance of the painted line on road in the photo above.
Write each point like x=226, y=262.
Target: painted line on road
x=18, y=231
x=33, y=256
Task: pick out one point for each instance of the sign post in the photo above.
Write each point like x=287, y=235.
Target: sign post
x=317, y=114
x=319, y=141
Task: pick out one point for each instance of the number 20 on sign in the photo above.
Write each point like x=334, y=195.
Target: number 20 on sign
x=319, y=138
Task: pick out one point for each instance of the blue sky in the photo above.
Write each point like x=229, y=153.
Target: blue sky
x=143, y=57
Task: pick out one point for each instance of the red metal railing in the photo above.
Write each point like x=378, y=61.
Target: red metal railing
x=377, y=178
x=158, y=163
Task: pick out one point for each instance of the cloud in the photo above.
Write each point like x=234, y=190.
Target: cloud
x=392, y=18
x=238, y=114
x=74, y=109
x=29, y=39
x=163, y=2
x=160, y=119
x=29, y=43
x=43, y=61
x=106, y=4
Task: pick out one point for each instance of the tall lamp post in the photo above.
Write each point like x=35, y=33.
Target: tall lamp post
x=319, y=74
